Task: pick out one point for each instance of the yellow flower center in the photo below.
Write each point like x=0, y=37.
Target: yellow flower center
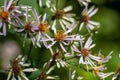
x=60, y=36
x=85, y=52
x=4, y=15
x=43, y=27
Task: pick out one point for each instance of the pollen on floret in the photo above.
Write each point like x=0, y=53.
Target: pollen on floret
x=43, y=27
x=59, y=14
x=85, y=52
x=96, y=70
x=59, y=36
x=4, y=15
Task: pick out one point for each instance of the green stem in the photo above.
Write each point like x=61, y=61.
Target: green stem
x=30, y=49
x=70, y=58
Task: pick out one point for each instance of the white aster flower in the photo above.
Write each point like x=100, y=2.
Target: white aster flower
x=7, y=12
x=85, y=55
x=116, y=74
x=84, y=2
x=45, y=75
x=63, y=16
x=28, y=28
x=63, y=38
x=98, y=71
x=57, y=60
x=85, y=18
x=16, y=72
x=41, y=29
x=104, y=59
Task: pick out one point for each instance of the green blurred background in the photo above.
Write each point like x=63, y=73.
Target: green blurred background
x=108, y=38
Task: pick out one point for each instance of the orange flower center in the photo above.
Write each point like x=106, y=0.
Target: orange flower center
x=59, y=14
x=60, y=36
x=85, y=52
x=28, y=27
x=16, y=67
x=43, y=27
x=43, y=76
x=85, y=18
x=118, y=69
x=4, y=15
x=56, y=56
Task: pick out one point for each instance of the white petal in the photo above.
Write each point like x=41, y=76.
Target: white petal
x=93, y=45
x=23, y=76
x=62, y=47
x=81, y=25
x=54, y=26
x=115, y=76
x=26, y=14
x=44, y=18
x=68, y=8
x=72, y=27
x=62, y=25
x=104, y=75
x=51, y=68
x=19, y=77
x=40, y=3
x=4, y=29
x=35, y=15
x=9, y=4
x=90, y=10
x=5, y=5
x=25, y=36
x=58, y=65
x=94, y=23
x=81, y=60
x=95, y=57
x=30, y=69
x=51, y=44
x=88, y=43
x=93, y=12
x=9, y=74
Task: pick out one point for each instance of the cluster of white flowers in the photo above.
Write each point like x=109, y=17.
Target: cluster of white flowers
x=59, y=34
